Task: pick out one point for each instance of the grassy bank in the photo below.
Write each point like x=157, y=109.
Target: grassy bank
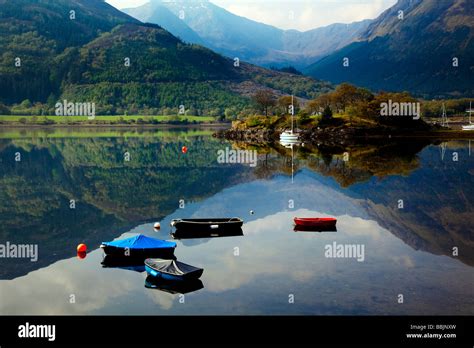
x=99, y=120
x=102, y=132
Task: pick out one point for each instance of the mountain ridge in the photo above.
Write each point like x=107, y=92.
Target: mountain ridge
x=420, y=53
x=249, y=40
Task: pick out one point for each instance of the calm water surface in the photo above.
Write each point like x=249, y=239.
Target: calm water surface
x=408, y=251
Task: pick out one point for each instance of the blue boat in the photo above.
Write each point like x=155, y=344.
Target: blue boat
x=139, y=247
x=172, y=270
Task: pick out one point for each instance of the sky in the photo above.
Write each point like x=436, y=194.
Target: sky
x=294, y=14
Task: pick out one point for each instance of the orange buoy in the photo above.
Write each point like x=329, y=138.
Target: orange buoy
x=82, y=248
x=184, y=149
x=81, y=255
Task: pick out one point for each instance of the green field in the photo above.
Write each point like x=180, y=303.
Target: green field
x=104, y=119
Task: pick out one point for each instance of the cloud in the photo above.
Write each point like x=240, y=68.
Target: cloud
x=306, y=14
x=54, y=285
x=294, y=14
x=126, y=3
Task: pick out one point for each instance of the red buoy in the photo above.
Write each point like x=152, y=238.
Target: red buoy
x=82, y=248
x=184, y=149
x=81, y=255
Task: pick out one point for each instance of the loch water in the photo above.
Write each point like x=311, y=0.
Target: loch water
x=409, y=204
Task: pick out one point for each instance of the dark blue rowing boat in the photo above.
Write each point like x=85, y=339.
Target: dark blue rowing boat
x=172, y=270
x=139, y=247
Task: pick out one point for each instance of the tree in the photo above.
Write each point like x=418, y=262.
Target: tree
x=231, y=113
x=51, y=100
x=285, y=102
x=4, y=110
x=167, y=111
x=26, y=104
x=265, y=99
x=191, y=111
x=289, y=69
x=347, y=94
x=327, y=114
x=214, y=112
x=356, y=110
x=374, y=110
x=321, y=102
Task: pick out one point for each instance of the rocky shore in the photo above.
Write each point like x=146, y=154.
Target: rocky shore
x=341, y=135
x=252, y=135
x=329, y=135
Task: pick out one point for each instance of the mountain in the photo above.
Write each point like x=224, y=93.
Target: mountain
x=86, y=58
x=52, y=20
x=155, y=56
x=414, y=54
x=236, y=36
x=157, y=13
x=37, y=32
x=322, y=41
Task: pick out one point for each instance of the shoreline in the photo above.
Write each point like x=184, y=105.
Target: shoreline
x=340, y=136
x=126, y=126
x=329, y=135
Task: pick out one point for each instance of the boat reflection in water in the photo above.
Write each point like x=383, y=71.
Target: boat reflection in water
x=206, y=228
x=299, y=228
x=128, y=263
x=193, y=234
x=207, y=225
x=326, y=224
x=289, y=143
x=173, y=287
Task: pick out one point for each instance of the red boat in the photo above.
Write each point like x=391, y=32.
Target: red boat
x=318, y=223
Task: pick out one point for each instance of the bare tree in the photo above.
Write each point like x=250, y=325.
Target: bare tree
x=265, y=99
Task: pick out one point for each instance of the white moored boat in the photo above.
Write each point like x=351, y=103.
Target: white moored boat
x=470, y=126
x=289, y=143
x=290, y=135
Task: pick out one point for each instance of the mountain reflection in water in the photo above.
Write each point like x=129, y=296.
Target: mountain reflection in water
x=408, y=250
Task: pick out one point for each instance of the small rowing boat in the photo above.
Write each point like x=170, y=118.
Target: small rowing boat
x=207, y=225
x=139, y=247
x=172, y=270
x=316, y=223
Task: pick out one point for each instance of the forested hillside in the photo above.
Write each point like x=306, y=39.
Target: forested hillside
x=88, y=51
